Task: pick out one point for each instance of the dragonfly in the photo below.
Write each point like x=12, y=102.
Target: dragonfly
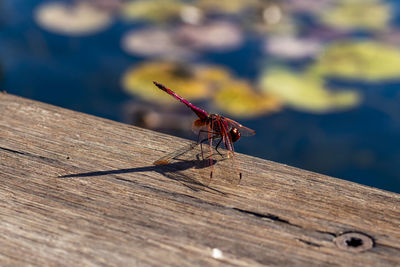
x=211, y=128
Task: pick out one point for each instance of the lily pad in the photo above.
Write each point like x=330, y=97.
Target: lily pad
x=292, y=48
x=358, y=14
x=191, y=82
x=154, y=10
x=218, y=35
x=81, y=18
x=226, y=6
x=154, y=42
x=365, y=60
x=237, y=98
x=271, y=18
x=307, y=93
x=215, y=75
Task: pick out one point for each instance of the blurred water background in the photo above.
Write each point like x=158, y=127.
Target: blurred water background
x=317, y=80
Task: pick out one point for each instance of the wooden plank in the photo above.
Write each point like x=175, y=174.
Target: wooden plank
x=76, y=189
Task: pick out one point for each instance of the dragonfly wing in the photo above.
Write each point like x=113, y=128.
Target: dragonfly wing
x=175, y=154
x=224, y=128
x=244, y=131
x=187, y=165
x=226, y=169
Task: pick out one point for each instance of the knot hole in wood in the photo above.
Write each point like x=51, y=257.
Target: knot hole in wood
x=354, y=241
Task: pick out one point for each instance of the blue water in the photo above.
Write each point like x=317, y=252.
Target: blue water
x=83, y=74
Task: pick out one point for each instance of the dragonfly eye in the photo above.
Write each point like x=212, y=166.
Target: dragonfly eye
x=235, y=134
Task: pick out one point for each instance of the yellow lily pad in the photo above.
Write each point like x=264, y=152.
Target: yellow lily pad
x=358, y=14
x=155, y=10
x=307, y=93
x=226, y=6
x=190, y=82
x=237, y=98
x=214, y=75
x=359, y=60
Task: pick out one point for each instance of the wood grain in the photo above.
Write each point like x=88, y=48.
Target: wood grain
x=77, y=189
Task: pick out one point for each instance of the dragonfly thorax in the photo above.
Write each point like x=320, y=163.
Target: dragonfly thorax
x=223, y=126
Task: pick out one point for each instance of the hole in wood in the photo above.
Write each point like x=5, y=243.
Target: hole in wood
x=353, y=241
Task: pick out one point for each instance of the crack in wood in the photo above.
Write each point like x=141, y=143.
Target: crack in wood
x=326, y=232
x=309, y=243
x=268, y=216
x=12, y=151
x=46, y=159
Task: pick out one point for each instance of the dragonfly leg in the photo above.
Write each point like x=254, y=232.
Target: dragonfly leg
x=206, y=139
x=216, y=147
x=201, y=143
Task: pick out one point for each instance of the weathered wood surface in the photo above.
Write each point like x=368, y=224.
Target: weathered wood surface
x=76, y=189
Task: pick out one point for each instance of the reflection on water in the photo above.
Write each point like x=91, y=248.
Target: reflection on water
x=318, y=80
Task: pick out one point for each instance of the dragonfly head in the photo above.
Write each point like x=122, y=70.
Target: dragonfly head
x=235, y=134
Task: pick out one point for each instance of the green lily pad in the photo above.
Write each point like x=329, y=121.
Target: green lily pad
x=365, y=60
x=307, y=93
x=358, y=14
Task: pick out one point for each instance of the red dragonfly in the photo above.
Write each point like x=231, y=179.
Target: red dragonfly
x=216, y=127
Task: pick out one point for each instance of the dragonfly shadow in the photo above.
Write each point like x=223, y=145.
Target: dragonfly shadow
x=173, y=171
